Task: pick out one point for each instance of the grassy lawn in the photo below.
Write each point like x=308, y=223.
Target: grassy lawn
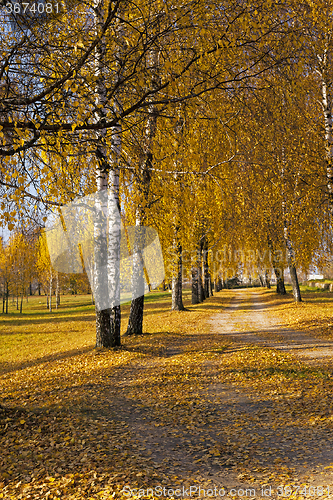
x=38, y=335
x=314, y=314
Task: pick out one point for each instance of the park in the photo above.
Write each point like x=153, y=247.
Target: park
x=230, y=393
x=166, y=277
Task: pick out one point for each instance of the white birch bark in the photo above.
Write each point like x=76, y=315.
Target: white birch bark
x=195, y=285
x=114, y=237
x=50, y=288
x=177, y=278
x=138, y=279
x=114, y=208
x=289, y=246
x=327, y=113
x=57, y=290
x=177, y=275
x=103, y=333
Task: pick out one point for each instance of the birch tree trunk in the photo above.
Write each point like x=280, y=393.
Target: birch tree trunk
x=114, y=207
x=107, y=230
x=292, y=266
x=57, y=296
x=103, y=328
x=267, y=281
x=200, y=280
x=177, y=278
x=195, y=285
x=50, y=290
x=207, y=278
x=103, y=325
x=7, y=297
x=198, y=276
x=278, y=270
x=280, y=288
x=327, y=112
x=287, y=239
x=21, y=303
x=196, y=272
x=114, y=242
x=135, y=319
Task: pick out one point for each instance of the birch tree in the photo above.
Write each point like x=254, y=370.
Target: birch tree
x=46, y=273
x=142, y=176
x=66, y=104
x=317, y=22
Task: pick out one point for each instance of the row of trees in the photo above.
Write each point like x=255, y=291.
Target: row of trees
x=25, y=269
x=209, y=121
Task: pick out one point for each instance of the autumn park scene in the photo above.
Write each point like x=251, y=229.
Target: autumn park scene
x=166, y=272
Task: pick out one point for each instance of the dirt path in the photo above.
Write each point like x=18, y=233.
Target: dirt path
x=309, y=452
x=247, y=322
x=218, y=434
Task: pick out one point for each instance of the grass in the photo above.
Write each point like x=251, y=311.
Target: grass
x=38, y=334
x=313, y=315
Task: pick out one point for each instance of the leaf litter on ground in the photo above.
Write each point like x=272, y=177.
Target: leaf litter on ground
x=178, y=406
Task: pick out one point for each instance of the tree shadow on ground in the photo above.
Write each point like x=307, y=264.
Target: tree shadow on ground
x=26, y=321
x=148, y=421
x=14, y=367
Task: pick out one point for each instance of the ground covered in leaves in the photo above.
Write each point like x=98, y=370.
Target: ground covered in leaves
x=217, y=401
